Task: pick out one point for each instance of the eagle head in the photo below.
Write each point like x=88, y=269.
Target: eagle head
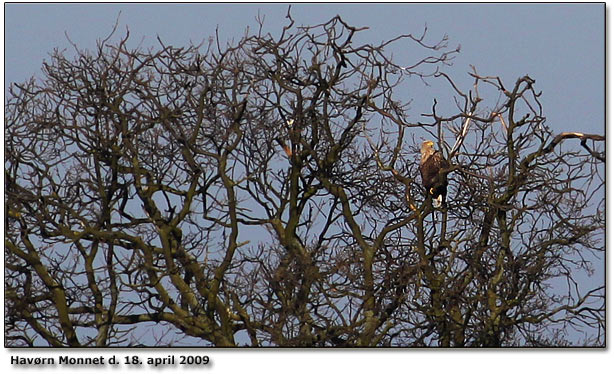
x=427, y=149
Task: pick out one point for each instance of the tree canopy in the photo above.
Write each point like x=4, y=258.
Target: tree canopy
x=266, y=192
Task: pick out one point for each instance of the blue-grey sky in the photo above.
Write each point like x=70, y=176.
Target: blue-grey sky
x=561, y=46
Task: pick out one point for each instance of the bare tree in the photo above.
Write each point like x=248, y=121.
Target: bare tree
x=264, y=193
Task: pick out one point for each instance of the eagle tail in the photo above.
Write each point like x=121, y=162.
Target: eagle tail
x=438, y=201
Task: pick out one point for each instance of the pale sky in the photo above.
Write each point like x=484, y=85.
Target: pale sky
x=561, y=46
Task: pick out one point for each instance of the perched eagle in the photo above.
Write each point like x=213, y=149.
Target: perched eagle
x=435, y=183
